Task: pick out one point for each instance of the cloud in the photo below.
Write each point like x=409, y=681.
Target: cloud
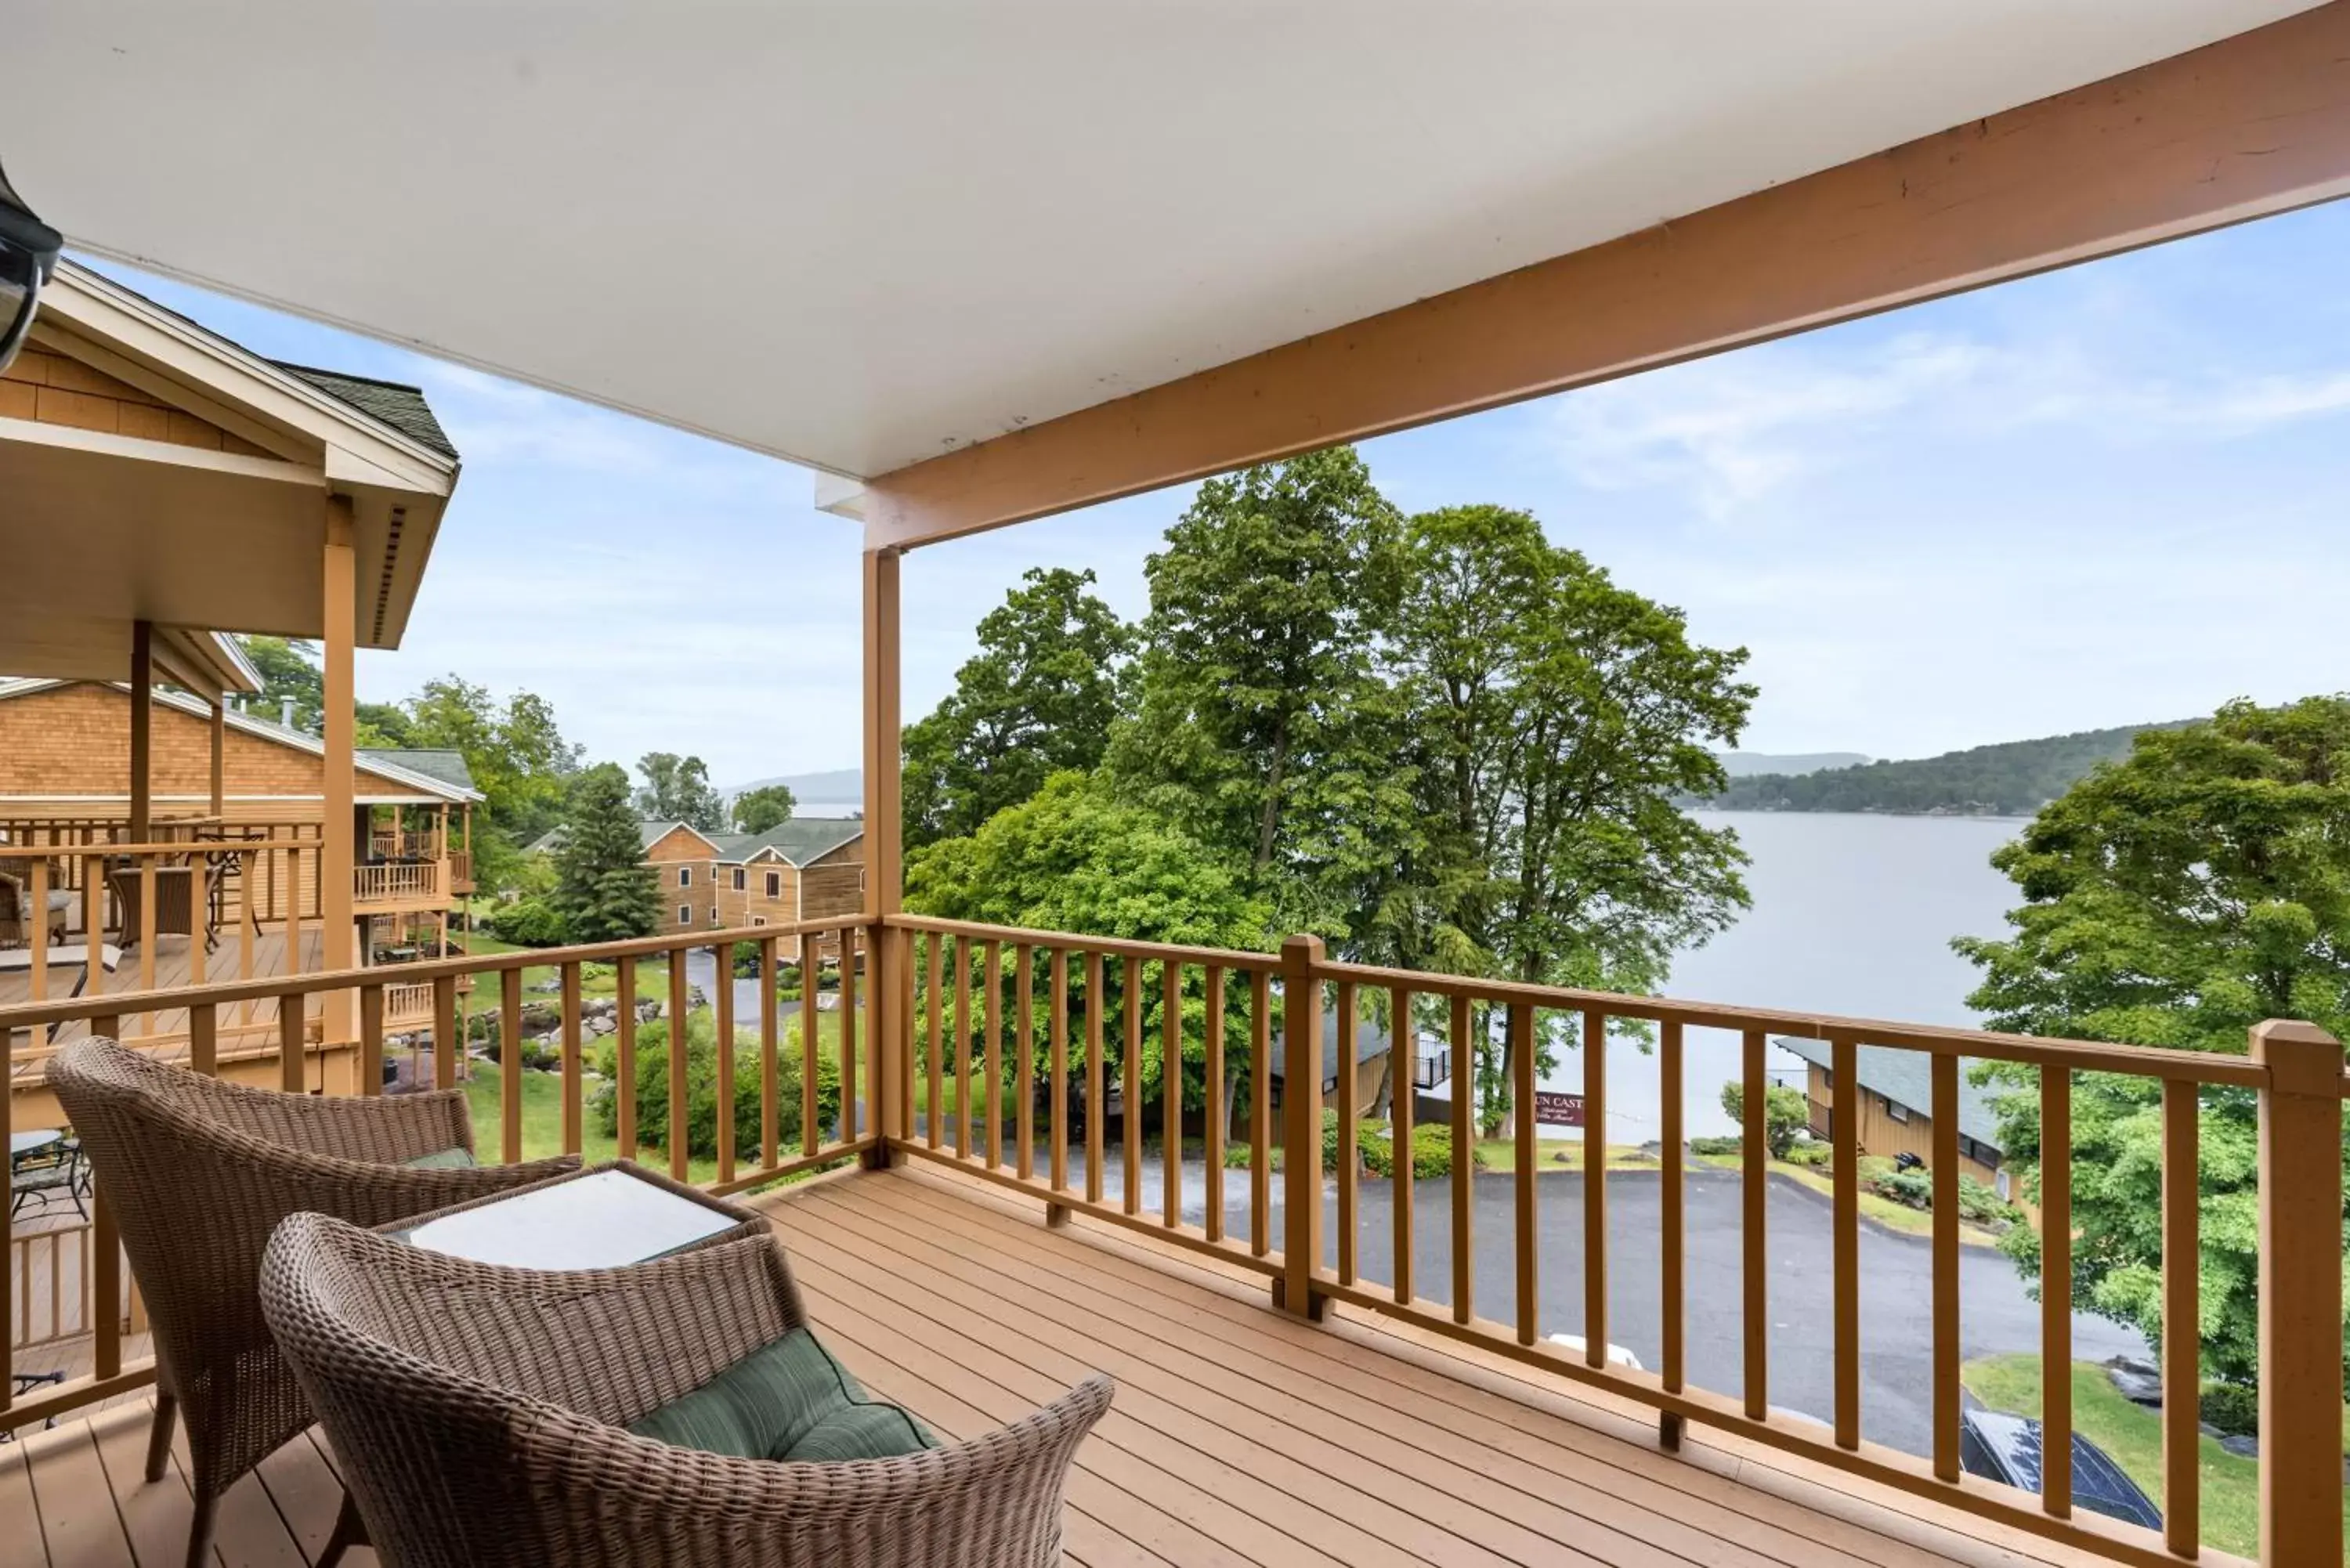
x=1731, y=430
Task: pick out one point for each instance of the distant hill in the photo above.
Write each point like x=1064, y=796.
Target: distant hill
x=1745, y=764
x=841, y=787
x=2014, y=778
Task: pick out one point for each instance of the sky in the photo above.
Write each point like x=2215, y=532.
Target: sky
x=2109, y=495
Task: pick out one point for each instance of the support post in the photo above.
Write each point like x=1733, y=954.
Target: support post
x=142, y=730
x=220, y=755
x=887, y=1036
x=338, y=827
x=2300, y=1293
x=1301, y=1125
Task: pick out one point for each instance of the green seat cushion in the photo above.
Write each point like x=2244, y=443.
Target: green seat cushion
x=442, y=1159
x=786, y=1401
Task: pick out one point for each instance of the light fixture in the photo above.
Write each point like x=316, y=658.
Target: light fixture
x=28, y=258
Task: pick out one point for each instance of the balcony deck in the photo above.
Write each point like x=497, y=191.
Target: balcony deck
x=252, y=1024
x=1238, y=1435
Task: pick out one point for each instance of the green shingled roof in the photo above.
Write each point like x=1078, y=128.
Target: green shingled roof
x=401, y=407
x=448, y=767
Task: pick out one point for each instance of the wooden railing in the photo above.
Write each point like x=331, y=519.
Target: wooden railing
x=791, y=1139
x=1006, y=1053
x=461, y=868
x=378, y=882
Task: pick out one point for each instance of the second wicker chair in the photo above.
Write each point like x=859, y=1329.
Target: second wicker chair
x=481, y=1416
x=198, y=1173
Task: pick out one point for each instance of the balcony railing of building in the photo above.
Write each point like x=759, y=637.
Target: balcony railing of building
x=398, y=884
x=988, y=1050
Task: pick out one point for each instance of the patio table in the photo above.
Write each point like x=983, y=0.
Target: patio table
x=605, y=1217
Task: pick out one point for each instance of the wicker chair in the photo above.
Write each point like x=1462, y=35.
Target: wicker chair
x=198, y=1172
x=478, y=1415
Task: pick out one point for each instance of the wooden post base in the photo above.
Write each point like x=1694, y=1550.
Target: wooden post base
x=1317, y=1307
x=1669, y=1431
x=1056, y=1215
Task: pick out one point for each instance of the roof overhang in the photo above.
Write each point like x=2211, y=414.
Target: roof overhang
x=907, y=238
x=102, y=529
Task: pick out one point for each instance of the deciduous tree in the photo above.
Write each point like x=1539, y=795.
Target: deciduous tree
x=2174, y=899
x=769, y=806
x=678, y=789
x=1036, y=700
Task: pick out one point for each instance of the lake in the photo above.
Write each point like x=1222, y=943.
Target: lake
x=1853, y=914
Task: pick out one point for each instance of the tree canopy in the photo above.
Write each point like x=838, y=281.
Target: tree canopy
x=769, y=806
x=2174, y=899
x=678, y=789
x=1036, y=700
x=2011, y=778
x=603, y=891
x=517, y=755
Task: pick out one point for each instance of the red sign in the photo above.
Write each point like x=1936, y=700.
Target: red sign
x=1557, y=1110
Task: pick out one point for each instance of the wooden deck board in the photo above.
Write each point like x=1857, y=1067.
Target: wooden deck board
x=1239, y=1436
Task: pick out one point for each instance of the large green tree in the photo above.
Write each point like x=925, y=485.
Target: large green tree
x=288, y=667
x=1076, y=857
x=603, y=890
x=678, y=789
x=1036, y=700
x=769, y=806
x=1261, y=724
x=2174, y=899
x=517, y=755
x=1551, y=719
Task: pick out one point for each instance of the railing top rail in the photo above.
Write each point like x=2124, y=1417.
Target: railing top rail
x=2087, y=1056
x=1230, y=958
x=177, y=847
x=261, y=988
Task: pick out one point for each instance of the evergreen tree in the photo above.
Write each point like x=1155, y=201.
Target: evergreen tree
x=603, y=890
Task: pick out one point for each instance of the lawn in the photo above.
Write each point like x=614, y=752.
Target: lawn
x=1559, y=1154
x=2132, y=1435
x=1872, y=1205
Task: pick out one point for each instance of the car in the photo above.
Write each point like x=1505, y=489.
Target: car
x=2003, y=1447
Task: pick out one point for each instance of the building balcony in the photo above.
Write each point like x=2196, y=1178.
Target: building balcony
x=977, y=1241
x=385, y=886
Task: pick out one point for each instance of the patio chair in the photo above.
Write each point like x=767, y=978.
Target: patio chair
x=54, y=1173
x=493, y=1418
x=175, y=904
x=198, y=1173
x=16, y=917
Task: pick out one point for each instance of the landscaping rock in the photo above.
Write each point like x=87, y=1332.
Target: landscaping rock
x=2139, y=1382
x=602, y=1024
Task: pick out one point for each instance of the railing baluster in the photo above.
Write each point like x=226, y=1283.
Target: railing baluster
x=721, y=1006
x=2182, y=1332
x=248, y=929
x=1095, y=1152
x=1403, y=1049
x=624, y=1057
x=681, y=1033
x=293, y=1070
x=444, y=1034
x=1131, y=1079
x=992, y=1049
x=370, y=1040
x=1059, y=1088
x=1259, y=1112
x=510, y=1069
x=935, y=952
x=1528, y=1250
x=93, y=932
x=1465, y=1153
x=1594, y=1181
x=146, y=935
x=877, y=1038
x=1211, y=1094
x=848, y=1118
x=203, y=1039
x=1349, y=1156
x=572, y=1064
x=1672, y=1222
x=1023, y=1023
x=1846, y=1052
x=963, y=1046
x=38, y=908
x=770, y=1045
x=1754, y=1193
x=1171, y=1089
x=1945, y=1174
x=2055, y=1290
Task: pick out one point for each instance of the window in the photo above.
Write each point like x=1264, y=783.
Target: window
x=685, y=914
x=1895, y=1109
x=685, y=876
x=738, y=876
x=774, y=886
x=758, y=920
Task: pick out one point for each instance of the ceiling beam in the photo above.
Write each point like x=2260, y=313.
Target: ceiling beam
x=2255, y=124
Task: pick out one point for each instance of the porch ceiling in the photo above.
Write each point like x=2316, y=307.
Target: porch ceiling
x=859, y=236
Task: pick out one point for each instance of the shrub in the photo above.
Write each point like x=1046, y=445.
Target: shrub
x=2233, y=1408
x=527, y=923
x=1716, y=1146
x=1785, y=1112
x=1432, y=1150
x=1812, y=1154
x=1913, y=1187
x=702, y=1089
x=1983, y=1204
